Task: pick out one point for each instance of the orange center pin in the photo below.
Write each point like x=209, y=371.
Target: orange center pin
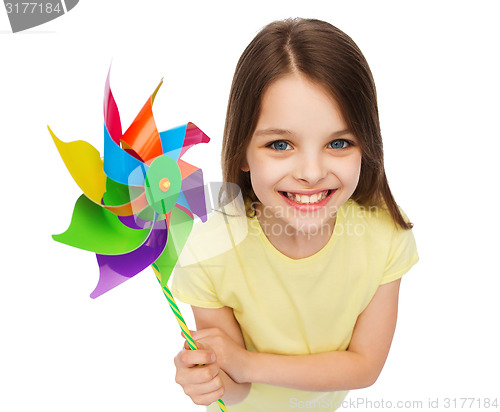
x=164, y=184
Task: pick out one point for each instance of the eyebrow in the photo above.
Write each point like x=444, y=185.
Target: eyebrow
x=284, y=132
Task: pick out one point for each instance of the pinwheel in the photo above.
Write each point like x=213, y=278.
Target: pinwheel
x=138, y=202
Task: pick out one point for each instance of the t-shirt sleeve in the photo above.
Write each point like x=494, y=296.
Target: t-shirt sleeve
x=402, y=255
x=192, y=285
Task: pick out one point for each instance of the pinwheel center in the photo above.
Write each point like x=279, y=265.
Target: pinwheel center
x=162, y=193
x=164, y=184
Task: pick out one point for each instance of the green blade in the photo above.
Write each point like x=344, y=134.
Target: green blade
x=95, y=229
x=178, y=232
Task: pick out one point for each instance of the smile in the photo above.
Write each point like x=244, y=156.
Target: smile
x=302, y=199
x=305, y=199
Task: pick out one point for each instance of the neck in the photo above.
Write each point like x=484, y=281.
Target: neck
x=296, y=242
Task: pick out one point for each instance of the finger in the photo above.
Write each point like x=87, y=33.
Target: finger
x=190, y=358
x=204, y=333
x=208, y=398
x=203, y=346
x=205, y=387
x=197, y=375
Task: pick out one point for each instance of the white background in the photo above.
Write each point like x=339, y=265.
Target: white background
x=436, y=67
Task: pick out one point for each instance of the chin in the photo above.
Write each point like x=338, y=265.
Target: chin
x=311, y=228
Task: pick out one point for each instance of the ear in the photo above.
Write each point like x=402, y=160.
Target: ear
x=244, y=166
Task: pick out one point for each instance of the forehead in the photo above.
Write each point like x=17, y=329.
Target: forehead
x=294, y=102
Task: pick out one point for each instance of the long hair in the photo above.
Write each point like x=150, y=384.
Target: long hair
x=330, y=58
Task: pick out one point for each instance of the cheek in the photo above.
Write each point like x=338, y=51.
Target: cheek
x=260, y=187
x=265, y=168
x=356, y=170
x=349, y=171
x=261, y=180
x=264, y=176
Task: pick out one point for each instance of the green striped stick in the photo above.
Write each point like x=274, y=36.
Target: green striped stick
x=181, y=322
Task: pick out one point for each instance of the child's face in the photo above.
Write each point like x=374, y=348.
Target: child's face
x=303, y=162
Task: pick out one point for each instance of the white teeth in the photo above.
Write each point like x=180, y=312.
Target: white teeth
x=304, y=199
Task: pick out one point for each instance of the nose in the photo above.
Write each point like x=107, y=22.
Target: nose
x=310, y=168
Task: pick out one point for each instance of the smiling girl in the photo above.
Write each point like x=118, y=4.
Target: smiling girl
x=303, y=308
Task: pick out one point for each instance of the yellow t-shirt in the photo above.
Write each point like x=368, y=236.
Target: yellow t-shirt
x=293, y=306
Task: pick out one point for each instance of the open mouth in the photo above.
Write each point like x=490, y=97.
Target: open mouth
x=308, y=199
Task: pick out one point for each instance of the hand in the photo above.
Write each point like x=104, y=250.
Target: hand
x=199, y=374
x=231, y=357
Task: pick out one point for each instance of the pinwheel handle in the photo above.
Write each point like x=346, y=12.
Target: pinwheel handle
x=185, y=330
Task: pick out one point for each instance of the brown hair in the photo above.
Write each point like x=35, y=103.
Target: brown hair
x=329, y=57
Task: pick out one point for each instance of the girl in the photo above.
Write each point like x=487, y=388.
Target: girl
x=304, y=307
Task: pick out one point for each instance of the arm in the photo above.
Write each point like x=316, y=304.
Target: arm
x=224, y=320
x=357, y=367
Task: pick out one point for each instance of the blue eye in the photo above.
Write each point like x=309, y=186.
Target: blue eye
x=279, y=145
x=339, y=144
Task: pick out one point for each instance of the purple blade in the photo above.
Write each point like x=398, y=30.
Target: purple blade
x=116, y=269
x=194, y=192
x=135, y=222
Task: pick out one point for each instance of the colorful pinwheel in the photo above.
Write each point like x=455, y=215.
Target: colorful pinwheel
x=138, y=201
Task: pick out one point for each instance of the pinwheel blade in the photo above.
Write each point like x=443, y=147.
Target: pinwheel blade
x=172, y=140
x=194, y=136
x=111, y=114
x=142, y=135
x=116, y=269
x=95, y=229
x=175, y=142
x=85, y=166
x=193, y=190
x=180, y=227
x=121, y=166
